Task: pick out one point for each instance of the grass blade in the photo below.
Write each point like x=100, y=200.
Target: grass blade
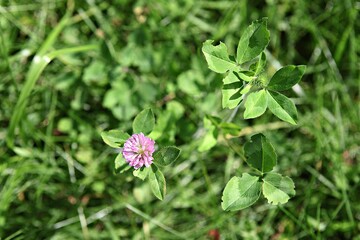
x=37, y=67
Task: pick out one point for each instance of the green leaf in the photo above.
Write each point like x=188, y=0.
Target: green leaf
x=144, y=122
x=256, y=104
x=120, y=164
x=278, y=189
x=241, y=193
x=157, y=182
x=259, y=66
x=141, y=173
x=260, y=153
x=217, y=57
x=166, y=155
x=114, y=138
x=282, y=107
x=210, y=138
x=254, y=40
x=231, y=96
x=286, y=77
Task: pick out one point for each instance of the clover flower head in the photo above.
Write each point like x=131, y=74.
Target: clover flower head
x=138, y=150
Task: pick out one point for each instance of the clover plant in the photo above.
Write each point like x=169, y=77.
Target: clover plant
x=246, y=81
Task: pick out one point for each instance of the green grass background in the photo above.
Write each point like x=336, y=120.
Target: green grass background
x=111, y=59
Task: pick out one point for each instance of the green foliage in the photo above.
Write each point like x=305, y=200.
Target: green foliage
x=286, y=77
x=218, y=57
x=144, y=122
x=256, y=104
x=261, y=93
x=166, y=155
x=260, y=153
x=253, y=41
x=114, y=138
x=157, y=182
x=277, y=189
x=241, y=192
x=260, y=65
x=120, y=164
x=282, y=107
x=142, y=173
